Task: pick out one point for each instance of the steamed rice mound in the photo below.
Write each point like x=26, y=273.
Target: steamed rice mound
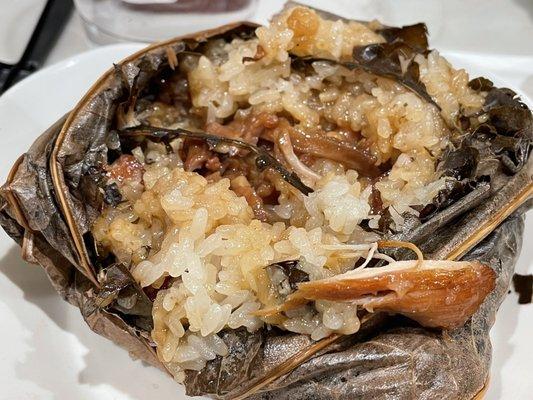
x=208, y=242
x=195, y=237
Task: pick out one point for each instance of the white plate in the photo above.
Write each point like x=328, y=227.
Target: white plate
x=48, y=352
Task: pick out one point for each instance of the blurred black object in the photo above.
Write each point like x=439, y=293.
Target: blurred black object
x=189, y=6
x=50, y=25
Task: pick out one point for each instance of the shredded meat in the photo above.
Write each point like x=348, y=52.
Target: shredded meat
x=126, y=167
x=296, y=148
x=248, y=129
x=242, y=187
x=306, y=174
x=213, y=163
x=197, y=155
x=322, y=145
x=233, y=167
x=340, y=145
x=376, y=203
x=265, y=190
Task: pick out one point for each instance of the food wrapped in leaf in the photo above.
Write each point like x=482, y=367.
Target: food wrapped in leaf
x=315, y=209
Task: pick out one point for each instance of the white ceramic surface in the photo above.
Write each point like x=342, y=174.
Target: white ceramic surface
x=47, y=351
